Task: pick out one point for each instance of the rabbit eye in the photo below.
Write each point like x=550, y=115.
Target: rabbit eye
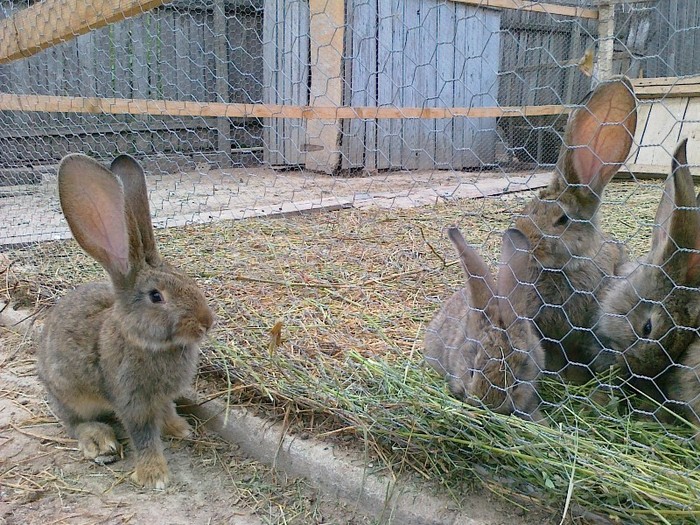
x=155, y=296
x=646, y=330
x=562, y=221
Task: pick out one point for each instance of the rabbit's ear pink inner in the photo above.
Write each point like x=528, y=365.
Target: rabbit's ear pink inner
x=601, y=134
x=93, y=204
x=133, y=179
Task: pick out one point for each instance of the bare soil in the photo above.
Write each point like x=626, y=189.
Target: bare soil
x=45, y=480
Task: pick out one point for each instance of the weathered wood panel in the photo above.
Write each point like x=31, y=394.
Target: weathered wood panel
x=164, y=54
x=420, y=53
x=285, y=76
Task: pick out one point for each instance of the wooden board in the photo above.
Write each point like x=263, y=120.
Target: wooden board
x=117, y=106
x=327, y=33
x=50, y=22
x=661, y=131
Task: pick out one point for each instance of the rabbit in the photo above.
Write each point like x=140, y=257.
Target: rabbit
x=477, y=342
x=650, y=317
x=572, y=258
x=123, y=350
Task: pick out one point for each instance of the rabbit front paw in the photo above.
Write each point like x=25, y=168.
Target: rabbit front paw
x=151, y=472
x=98, y=442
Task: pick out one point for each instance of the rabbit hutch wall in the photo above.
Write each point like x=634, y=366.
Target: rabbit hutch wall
x=184, y=50
x=384, y=54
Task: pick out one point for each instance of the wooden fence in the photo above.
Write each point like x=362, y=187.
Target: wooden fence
x=224, y=54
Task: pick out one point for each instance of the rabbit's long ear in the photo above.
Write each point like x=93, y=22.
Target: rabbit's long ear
x=92, y=200
x=679, y=228
x=479, y=280
x=599, y=135
x=665, y=210
x=136, y=196
x=513, y=275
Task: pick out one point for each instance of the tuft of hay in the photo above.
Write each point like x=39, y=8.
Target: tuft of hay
x=320, y=320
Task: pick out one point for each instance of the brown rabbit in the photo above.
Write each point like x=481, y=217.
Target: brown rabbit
x=130, y=348
x=649, y=319
x=477, y=341
x=572, y=259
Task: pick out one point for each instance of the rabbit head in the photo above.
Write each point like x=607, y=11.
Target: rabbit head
x=562, y=223
x=109, y=216
x=650, y=316
x=489, y=355
x=572, y=258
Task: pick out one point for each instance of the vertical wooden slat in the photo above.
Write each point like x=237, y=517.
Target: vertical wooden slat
x=445, y=82
x=407, y=80
x=327, y=35
x=223, y=124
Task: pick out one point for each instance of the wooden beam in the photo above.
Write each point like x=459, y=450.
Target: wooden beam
x=327, y=33
x=663, y=87
x=120, y=106
x=50, y=22
x=536, y=7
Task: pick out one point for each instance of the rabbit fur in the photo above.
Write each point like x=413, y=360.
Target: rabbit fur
x=572, y=259
x=650, y=317
x=487, y=354
x=122, y=350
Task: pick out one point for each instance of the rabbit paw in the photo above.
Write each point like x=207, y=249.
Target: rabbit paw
x=176, y=426
x=152, y=472
x=98, y=443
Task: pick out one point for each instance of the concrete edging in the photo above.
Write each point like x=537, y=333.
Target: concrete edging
x=339, y=474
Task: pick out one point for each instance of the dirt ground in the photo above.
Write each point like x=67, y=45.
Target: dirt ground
x=44, y=480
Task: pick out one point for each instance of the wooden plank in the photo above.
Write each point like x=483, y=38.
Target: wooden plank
x=50, y=22
x=426, y=76
x=662, y=131
x=327, y=33
x=117, y=106
x=271, y=153
x=389, y=93
x=446, y=77
x=653, y=171
x=535, y=7
x=223, y=124
x=690, y=129
x=409, y=45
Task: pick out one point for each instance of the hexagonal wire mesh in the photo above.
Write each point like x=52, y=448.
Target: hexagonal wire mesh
x=392, y=120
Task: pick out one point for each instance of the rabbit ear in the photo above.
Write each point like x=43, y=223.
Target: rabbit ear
x=679, y=227
x=513, y=274
x=479, y=280
x=92, y=200
x=599, y=135
x=136, y=196
x=665, y=210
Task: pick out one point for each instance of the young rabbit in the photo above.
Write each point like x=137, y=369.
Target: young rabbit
x=130, y=348
x=478, y=342
x=572, y=259
x=650, y=317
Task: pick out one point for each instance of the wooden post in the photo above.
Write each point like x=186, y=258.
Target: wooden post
x=223, y=124
x=606, y=36
x=327, y=30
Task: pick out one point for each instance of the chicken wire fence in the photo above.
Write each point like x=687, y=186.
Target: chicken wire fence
x=242, y=109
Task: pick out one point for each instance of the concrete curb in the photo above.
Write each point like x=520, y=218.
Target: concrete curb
x=341, y=475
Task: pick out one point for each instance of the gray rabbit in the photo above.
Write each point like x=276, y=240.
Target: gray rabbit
x=572, y=259
x=650, y=318
x=477, y=341
x=125, y=349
